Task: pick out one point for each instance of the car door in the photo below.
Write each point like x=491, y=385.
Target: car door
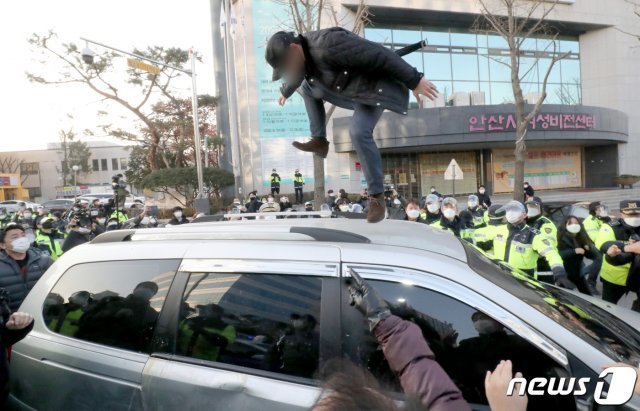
x=99, y=319
x=245, y=334
x=468, y=334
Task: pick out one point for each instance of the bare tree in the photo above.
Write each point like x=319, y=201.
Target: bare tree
x=307, y=15
x=570, y=94
x=73, y=70
x=10, y=164
x=516, y=21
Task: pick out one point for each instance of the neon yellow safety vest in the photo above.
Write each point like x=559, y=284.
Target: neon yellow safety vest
x=592, y=225
x=120, y=216
x=53, y=246
x=521, y=249
x=616, y=274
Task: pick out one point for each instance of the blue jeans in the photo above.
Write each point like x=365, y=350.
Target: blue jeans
x=363, y=122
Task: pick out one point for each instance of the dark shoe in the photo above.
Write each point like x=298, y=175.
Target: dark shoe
x=591, y=286
x=319, y=146
x=377, y=208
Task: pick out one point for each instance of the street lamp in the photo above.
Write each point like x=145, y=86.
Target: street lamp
x=75, y=169
x=88, y=56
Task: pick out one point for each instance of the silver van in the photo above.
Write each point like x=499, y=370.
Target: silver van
x=246, y=315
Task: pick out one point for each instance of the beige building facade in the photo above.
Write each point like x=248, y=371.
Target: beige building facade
x=589, y=131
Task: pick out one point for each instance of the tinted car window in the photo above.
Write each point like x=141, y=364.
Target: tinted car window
x=466, y=343
x=603, y=330
x=265, y=322
x=113, y=303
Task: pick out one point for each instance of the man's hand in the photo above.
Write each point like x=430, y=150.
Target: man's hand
x=632, y=247
x=613, y=251
x=19, y=321
x=495, y=386
x=282, y=100
x=579, y=251
x=427, y=89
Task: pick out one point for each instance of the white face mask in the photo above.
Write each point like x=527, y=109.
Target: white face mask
x=396, y=202
x=433, y=190
x=20, y=245
x=603, y=213
x=270, y=200
x=177, y=214
x=532, y=212
x=344, y=208
x=486, y=326
x=83, y=230
x=472, y=204
x=481, y=191
x=145, y=221
x=449, y=213
x=27, y=216
x=573, y=228
x=433, y=208
x=526, y=185
x=632, y=221
x=101, y=220
x=513, y=216
x=413, y=214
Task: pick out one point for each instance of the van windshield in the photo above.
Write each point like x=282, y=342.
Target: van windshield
x=603, y=330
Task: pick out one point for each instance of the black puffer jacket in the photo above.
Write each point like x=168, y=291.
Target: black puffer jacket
x=356, y=69
x=17, y=283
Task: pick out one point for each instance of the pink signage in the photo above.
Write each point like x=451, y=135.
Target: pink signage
x=507, y=122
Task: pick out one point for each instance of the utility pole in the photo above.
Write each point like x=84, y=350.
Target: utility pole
x=233, y=103
x=220, y=76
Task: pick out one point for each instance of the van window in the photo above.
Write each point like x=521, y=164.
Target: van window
x=466, y=343
x=114, y=303
x=265, y=322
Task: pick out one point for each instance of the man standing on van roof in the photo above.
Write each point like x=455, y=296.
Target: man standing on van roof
x=337, y=66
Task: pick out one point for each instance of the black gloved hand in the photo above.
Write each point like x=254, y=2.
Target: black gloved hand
x=367, y=300
x=561, y=278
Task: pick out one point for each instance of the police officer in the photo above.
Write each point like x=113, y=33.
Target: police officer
x=484, y=236
x=48, y=239
x=619, y=241
x=298, y=182
x=275, y=182
x=119, y=215
x=41, y=214
x=477, y=212
x=598, y=215
x=431, y=212
x=536, y=220
x=451, y=222
x=519, y=245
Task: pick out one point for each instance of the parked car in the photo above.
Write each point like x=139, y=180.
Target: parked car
x=60, y=204
x=14, y=205
x=557, y=211
x=188, y=316
x=104, y=198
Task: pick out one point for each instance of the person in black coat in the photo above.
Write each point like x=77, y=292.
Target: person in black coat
x=483, y=198
x=178, y=217
x=529, y=192
x=573, y=246
x=323, y=66
x=13, y=328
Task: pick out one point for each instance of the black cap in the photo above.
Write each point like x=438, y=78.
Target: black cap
x=277, y=48
x=630, y=206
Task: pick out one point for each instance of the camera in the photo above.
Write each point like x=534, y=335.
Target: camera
x=117, y=182
x=88, y=55
x=388, y=191
x=120, y=192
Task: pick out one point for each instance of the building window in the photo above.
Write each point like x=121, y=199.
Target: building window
x=103, y=163
x=462, y=61
x=123, y=164
x=114, y=164
x=96, y=165
x=120, y=312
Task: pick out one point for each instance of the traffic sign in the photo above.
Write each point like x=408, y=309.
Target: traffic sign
x=453, y=172
x=139, y=64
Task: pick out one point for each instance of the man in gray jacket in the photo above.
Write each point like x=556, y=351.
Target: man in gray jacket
x=21, y=266
x=337, y=66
